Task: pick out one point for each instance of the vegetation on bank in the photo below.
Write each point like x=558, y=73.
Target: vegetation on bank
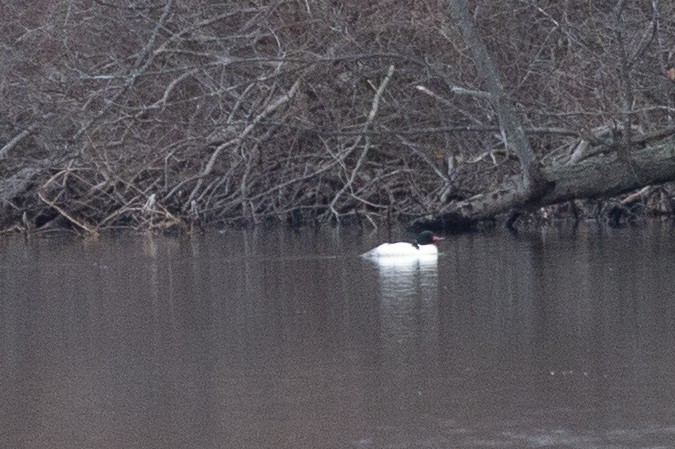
x=180, y=114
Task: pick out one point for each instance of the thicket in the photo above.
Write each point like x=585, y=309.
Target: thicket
x=154, y=113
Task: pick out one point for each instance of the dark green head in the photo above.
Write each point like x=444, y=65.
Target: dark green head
x=427, y=238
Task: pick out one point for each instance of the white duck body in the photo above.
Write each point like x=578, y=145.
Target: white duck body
x=402, y=249
x=424, y=246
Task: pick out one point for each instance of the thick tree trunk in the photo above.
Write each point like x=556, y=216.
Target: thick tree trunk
x=605, y=176
x=508, y=118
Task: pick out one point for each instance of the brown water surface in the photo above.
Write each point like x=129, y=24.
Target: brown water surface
x=277, y=339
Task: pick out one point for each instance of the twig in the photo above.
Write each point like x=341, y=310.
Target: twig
x=640, y=194
x=283, y=99
x=143, y=61
x=371, y=116
x=90, y=230
x=16, y=140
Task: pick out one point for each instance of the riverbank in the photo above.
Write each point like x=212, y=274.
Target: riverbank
x=646, y=205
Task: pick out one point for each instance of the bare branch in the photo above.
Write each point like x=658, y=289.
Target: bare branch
x=371, y=116
x=9, y=146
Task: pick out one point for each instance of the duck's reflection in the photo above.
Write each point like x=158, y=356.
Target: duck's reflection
x=408, y=326
x=403, y=275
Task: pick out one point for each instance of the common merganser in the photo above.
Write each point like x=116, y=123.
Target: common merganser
x=424, y=245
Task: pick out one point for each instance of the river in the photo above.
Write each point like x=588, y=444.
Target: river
x=270, y=338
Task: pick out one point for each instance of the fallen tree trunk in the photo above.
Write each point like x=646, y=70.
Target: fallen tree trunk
x=600, y=177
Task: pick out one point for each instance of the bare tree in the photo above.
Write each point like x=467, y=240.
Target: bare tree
x=177, y=114
x=511, y=126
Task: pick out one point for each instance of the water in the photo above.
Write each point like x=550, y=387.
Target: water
x=274, y=339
